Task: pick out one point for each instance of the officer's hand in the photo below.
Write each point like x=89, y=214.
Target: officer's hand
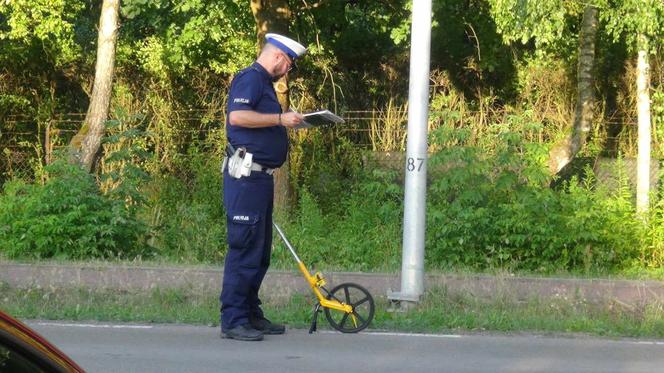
x=291, y=119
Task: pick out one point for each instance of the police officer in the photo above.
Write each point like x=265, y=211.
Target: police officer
x=255, y=125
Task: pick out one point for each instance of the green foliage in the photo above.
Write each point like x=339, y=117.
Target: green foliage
x=630, y=18
x=493, y=208
x=651, y=255
x=39, y=27
x=12, y=103
x=123, y=174
x=550, y=24
x=341, y=68
x=185, y=214
x=67, y=217
x=490, y=204
x=323, y=163
x=441, y=310
x=465, y=43
x=347, y=28
x=658, y=113
x=171, y=37
x=42, y=45
x=363, y=234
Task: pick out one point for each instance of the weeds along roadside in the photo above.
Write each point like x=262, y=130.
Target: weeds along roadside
x=488, y=208
x=439, y=312
x=489, y=201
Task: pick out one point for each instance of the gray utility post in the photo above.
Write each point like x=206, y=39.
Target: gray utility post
x=414, y=217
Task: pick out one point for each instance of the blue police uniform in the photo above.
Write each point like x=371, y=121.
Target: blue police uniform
x=249, y=200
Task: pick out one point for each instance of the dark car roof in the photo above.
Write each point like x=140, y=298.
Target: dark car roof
x=22, y=334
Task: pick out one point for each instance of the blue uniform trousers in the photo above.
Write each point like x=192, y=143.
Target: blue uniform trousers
x=248, y=202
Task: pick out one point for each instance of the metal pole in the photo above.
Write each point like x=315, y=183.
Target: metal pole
x=644, y=141
x=288, y=244
x=412, y=267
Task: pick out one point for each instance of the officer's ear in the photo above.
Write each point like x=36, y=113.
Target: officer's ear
x=283, y=57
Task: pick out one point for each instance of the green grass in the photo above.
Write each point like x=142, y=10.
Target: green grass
x=283, y=261
x=439, y=312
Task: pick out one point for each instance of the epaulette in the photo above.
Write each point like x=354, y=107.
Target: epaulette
x=246, y=70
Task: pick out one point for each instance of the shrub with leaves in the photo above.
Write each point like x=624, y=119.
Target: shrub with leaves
x=493, y=207
x=185, y=214
x=363, y=233
x=66, y=217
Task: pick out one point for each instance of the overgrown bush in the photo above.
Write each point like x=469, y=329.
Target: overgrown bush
x=363, y=233
x=490, y=206
x=493, y=207
x=66, y=217
x=324, y=163
x=651, y=255
x=185, y=214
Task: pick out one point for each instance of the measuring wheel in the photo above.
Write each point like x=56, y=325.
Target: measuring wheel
x=363, y=308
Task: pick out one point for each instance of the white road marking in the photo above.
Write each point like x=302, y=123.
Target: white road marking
x=390, y=334
x=649, y=343
x=394, y=334
x=107, y=326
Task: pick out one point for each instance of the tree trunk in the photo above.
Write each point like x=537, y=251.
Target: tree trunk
x=87, y=142
x=273, y=16
x=643, y=107
x=270, y=16
x=563, y=153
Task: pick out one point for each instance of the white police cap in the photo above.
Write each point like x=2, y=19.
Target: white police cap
x=288, y=45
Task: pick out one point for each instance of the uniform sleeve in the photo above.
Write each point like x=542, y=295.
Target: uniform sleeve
x=245, y=92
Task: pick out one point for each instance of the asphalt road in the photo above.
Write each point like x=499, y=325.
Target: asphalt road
x=101, y=347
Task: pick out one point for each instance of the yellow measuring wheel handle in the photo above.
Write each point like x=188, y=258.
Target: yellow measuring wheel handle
x=316, y=281
x=310, y=279
x=352, y=317
x=336, y=305
x=330, y=301
x=320, y=281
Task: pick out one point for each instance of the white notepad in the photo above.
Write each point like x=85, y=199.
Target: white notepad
x=319, y=118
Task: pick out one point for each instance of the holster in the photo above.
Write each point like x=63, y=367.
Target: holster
x=238, y=161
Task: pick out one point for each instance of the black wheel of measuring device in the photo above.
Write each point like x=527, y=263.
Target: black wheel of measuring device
x=363, y=308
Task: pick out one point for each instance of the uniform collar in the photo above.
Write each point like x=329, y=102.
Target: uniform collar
x=262, y=71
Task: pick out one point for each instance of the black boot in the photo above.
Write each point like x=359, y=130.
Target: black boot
x=243, y=332
x=266, y=326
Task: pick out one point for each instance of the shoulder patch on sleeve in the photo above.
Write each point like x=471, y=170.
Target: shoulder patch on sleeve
x=245, y=91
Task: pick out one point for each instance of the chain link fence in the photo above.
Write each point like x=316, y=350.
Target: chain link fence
x=26, y=144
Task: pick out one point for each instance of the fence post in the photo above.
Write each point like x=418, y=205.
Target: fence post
x=47, y=143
